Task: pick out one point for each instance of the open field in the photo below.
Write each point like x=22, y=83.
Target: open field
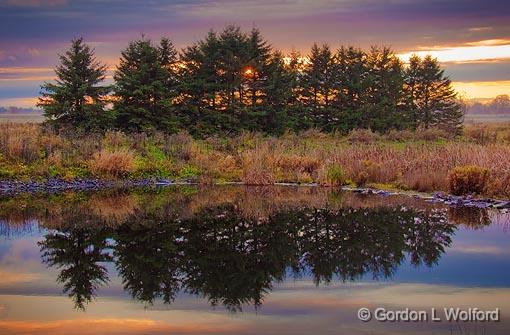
x=478, y=162
x=21, y=118
x=486, y=118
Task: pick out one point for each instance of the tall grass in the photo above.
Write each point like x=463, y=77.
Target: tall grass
x=114, y=164
x=420, y=160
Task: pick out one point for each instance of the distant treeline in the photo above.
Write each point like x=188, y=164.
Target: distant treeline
x=232, y=81
x=17, y=110
x=498, y=105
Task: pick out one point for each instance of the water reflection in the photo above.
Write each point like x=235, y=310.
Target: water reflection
x=229, y=252
x=78, y=252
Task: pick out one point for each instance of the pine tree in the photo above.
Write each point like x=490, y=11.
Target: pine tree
x=318, y=82
x=203, y=88
x=430, y=95
x=77, y=99
x=352, y=85
x=256, y=73
x=143, y=88
x=384, y=101
x=278, y=95
x=297, y=117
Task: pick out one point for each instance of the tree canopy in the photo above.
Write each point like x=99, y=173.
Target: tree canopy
x=232, y=81
x=76, y=98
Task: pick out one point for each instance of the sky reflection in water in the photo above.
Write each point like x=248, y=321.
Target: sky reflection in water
x=244, y=260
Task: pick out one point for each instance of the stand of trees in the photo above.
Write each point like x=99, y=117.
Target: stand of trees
x=233, y=81
x=498, y=105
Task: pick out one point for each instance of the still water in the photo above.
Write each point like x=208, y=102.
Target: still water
x=245, y=260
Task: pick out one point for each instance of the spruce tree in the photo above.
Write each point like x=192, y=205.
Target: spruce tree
x=278, y=95
x=431, y=97
x=384, y=107
x=143, y=87
x=203, y=88
x=352, y=85
x=297, y=117
x=255, y=74
x=318, y=82
x=77, y=99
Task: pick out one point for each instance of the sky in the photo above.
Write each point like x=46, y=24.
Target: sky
x=471, y=38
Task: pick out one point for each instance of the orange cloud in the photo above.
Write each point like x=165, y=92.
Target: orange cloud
x=474, y=51
x=482, y=89
x=110, y=326
x=26, y=102
x=495, y=41
x=8, y=278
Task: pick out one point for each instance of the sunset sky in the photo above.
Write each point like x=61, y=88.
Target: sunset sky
x=471, y=38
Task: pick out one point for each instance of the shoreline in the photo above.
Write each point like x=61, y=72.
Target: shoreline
x=51, y=186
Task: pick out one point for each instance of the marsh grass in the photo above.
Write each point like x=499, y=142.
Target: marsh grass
x=420, y=160
x=112, y=163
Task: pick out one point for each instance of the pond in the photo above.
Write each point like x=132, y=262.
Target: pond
x=247, y=260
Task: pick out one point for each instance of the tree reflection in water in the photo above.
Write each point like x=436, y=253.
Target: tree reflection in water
x=78, y=252
x=233, y=259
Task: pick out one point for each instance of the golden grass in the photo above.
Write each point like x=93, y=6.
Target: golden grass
x=257, y=167
x=116, y=163
x=19, y=140
x=420, y=160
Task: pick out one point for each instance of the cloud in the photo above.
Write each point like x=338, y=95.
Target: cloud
x=111, y=326
x=475, y=89
x=479, y=71
x=24, y=102
x=483, y=249
x=35, y=3
x=10, y=277
x=34, y=52
x=26, y=73
x=494, y=49
x=254, y=8
x=477, y=29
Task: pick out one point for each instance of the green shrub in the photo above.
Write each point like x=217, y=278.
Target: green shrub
x=147, y=167
x=6, y=173
x=189, y=171
x=468, y=180
x=332, y=175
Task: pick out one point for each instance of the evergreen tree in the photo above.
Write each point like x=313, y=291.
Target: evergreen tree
x=77, y=99
x=223, y=80
x=256, y=70
x=233, y=60
x=144, y=87
x=352, y=85
x=278, y=94
x=384, y=98
x=319, y=85
x=297, y=116
x=202, y=88
x=431, y=98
